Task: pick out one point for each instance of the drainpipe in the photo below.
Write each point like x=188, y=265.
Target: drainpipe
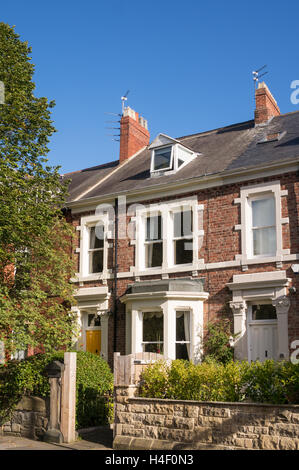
x=115, y=272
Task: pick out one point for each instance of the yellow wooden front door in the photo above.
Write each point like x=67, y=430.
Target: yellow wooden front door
x=93, y=341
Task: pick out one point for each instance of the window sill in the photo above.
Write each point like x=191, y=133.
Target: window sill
x=263, y=256
x=169, y=270
x=91, y=277
x=277, y=258
x=262, y=322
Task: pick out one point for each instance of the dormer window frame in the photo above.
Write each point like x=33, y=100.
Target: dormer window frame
x=174, y=158
x=170, y=167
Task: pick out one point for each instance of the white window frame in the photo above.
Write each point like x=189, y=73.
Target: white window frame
x=168, y=303
x=91, y=251
x=143, y=343
x=189, y=311
x=247, y=194
x=84, y=250
x=176, y=148
x=166, y=210
x=250, y=248
x=182, y=237
x=147, y=243
x=170, y=167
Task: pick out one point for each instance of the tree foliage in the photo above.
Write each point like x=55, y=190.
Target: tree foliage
x=35, y=255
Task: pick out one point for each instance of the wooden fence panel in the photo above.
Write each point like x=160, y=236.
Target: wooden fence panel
x=127, y=369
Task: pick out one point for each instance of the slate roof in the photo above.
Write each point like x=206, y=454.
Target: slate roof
x=226, y=149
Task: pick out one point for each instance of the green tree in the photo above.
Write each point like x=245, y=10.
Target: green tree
x=35, y=239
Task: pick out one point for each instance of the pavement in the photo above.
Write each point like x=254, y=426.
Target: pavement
x=96, y=438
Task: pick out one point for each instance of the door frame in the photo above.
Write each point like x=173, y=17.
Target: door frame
x=86, y=328
x=250, y=322
x=92, y=330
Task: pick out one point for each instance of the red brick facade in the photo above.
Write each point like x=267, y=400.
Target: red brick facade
x=221, y=243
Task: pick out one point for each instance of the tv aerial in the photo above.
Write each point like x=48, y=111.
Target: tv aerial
x=256, y=75
x=117, y=121
x=124, y=99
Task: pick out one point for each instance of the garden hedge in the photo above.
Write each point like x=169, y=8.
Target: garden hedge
x=94, y=386
x=267, y=382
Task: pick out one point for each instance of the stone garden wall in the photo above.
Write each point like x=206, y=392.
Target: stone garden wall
x=143, y=423
x=29, y=419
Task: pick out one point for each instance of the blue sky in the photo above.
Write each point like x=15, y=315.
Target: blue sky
x=188, y=65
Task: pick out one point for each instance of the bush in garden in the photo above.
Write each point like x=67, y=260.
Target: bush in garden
x=268, y=382
x=272, y=382
x=94, y=380
x=94, y=391
x=217, y=342
x=154, y=380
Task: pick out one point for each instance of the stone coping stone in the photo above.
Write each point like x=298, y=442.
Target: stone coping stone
x=211, y=403
x=31, y=404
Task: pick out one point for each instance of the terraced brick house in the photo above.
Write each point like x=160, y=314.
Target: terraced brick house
x=179, y=232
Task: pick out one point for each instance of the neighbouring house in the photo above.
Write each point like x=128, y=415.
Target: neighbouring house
x=183, y=231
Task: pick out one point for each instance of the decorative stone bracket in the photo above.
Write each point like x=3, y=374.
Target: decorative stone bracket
x=240, y=342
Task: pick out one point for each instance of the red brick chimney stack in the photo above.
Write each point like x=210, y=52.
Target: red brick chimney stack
x=134, y=134
x=265, y=105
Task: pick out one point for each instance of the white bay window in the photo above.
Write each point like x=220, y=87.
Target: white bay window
x=166, y=317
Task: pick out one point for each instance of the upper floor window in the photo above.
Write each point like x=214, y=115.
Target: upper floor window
x=263, y=226
x=96, y=249
x=169, y=155
x=167, y=235
x=93, y=248
x=261, y=223
x=163, y=159
x=183, y=236
x=153, y=241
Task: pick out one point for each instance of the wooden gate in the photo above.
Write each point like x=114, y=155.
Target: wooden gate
x=127, y=369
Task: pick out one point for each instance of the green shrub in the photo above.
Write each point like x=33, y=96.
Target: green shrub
x=94, y=379
x=217, y=346
x=268, y=382
x=154, y=380
x=272, y=382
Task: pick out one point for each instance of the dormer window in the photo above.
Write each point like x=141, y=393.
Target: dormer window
x=169, y=155
x=163, y=159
